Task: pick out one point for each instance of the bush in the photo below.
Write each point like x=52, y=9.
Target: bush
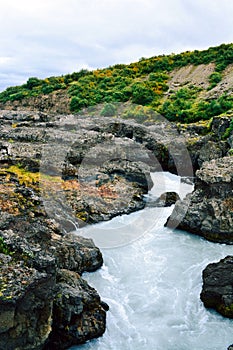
x=109, y=110
x=228, y=132
x=141, y=94
x=32, y=82
x=214, y=79
x=4, y=248
x=76, y=104
x=158, y=77
x=141, y=114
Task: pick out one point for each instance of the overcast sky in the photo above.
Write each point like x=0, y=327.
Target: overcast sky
x=53, y=37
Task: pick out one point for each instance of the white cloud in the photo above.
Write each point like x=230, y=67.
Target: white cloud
x=51, y=37
x=4, y=60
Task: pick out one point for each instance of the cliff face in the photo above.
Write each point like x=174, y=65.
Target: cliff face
x=209, y=207
x=56, y=102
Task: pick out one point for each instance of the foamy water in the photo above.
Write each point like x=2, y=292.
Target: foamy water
x=153, y=283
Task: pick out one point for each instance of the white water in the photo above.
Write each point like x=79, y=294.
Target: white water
x=152, y=286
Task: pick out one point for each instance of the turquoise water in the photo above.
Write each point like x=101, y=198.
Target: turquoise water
x=152, y=284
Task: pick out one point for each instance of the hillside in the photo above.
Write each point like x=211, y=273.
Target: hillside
x=185, y=87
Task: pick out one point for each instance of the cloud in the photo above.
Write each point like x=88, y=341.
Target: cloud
x=47, y=37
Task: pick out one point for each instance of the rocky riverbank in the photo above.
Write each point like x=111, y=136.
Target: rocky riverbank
x=44, y=302
x=58, y=173
x=209, y=208
x=208, y=212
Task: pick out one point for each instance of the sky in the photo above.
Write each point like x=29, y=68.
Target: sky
x=43, y=38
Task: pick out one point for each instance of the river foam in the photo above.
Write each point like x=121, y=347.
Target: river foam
x=153, y=284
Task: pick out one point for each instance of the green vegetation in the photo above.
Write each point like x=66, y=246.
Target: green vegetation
x=228, y=132
x=4, y=249
x=140, y=114
x=144, y=82
x=180, y=105
x=214, y=79
x=25, y=177
x=184, y=106
x=109, y=110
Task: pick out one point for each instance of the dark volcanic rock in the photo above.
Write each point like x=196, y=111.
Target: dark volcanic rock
x=31, y=285
x=26, y=304
x=33, y=249
x=101, y=174
x=208, y=210
x=217, y=290
x=206, y=140
x=78, y=314
x=59, y=172
x=165, y=200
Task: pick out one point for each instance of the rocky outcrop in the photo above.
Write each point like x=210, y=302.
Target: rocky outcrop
x=61, y=172
x=81, y=139
x=208, y=210
x=44, y=303
x=26, y=304
x=33, y=251
x=55, y=102
x=57, y=173
x=217, y=290
x=206, y=139
x=77, y=312
x=101, y=175
x=164, y=200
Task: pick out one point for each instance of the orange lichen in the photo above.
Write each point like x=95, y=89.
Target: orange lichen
x=107, y=192
x=228, y=203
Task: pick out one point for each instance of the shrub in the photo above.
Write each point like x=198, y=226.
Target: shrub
x=158, y=77
x=228, y=132
x=3, y=247
x=76, y=104
x=141, y=94
x=139, y=113
x=214, y=79
x=32, y=82
x=109, y=110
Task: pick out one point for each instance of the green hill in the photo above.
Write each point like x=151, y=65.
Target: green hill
x=184, y=87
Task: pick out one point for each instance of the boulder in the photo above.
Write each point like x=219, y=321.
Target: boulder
x=26, y=305
x=217, y=289
x=78, y=314
x=165, y=200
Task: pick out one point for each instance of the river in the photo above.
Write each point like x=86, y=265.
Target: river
x=152, y=281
